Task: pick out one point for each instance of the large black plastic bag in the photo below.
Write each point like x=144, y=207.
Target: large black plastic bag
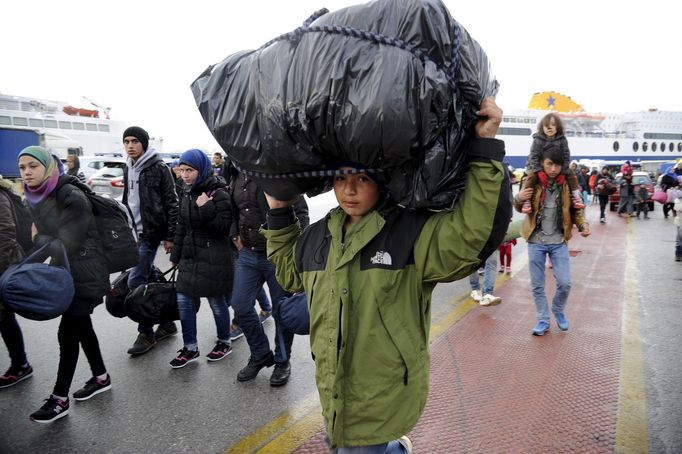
x=393, y=85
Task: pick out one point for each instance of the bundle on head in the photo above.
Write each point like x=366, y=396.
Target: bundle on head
x=393, y=85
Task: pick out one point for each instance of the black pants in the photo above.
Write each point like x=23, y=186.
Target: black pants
x=643, y=206
x=76, y=331
x=14, y=340
x=667, y=208
x=603, y=201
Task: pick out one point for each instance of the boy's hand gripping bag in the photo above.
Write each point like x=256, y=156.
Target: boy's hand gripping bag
x=392, y=85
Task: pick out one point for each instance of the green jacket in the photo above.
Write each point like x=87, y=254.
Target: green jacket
x=369, y=295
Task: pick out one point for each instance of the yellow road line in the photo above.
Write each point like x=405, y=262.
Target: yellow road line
x=631, y=423
x=293, y=427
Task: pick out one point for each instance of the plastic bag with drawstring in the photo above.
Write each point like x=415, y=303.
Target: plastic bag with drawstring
x=392, y=85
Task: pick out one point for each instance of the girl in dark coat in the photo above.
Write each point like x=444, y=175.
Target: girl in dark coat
x=202, y=251
x=62, y=213
x=10, y=252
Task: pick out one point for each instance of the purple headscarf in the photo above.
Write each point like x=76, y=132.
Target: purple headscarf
x=53, y=169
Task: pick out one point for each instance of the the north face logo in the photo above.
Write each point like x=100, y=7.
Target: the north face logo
x=381, y=258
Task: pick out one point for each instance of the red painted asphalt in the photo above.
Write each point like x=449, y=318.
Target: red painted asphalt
x=496, y=388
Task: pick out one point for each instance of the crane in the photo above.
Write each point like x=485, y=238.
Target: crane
x=106, y=110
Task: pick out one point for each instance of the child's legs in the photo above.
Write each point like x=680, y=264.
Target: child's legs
x=502, y=250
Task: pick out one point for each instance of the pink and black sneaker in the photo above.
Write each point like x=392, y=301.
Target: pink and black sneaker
x=15, y=374
x=93, y=387
x=184, y=357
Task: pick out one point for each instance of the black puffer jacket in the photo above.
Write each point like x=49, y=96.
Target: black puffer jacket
x=158, y=200
x=66, y=214
x=202, y=244
x=250, y=208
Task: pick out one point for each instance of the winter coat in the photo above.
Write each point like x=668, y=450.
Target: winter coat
x=605, y=187
x=539, y=143
x=66, y=215
x=201, y=247
x=249, y=209
x=158, y=200
x=369, y=295
x=10, y=250
x=568, y=215
x=584, y=182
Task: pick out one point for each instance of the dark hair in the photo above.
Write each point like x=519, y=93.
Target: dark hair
x=553, y=152
x=217, y=153
x=545, y=122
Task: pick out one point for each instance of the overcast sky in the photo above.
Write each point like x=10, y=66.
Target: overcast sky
x=139, y=57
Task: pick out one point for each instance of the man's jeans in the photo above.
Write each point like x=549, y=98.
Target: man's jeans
x=678, y=240
x=252, y=270
x=626, y=202
x=141, y=273
x=188, y=318
x=488, y=276
x=558, y=254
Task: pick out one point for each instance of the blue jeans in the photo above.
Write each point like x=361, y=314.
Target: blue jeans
x=488, y=276
x=678, y=240
x=392, y=447
x=141, y=273
x=252, y=270
x=188, y=318
x=558, y=254
x=626, y=203
x=586, y=198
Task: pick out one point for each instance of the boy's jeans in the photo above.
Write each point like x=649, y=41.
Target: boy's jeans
x=558, y=254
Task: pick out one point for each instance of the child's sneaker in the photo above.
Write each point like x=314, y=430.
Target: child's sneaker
x=52, y=410
x=509, y=270
x=15, y=375
x=93, y=387
x=220, y=351
x=184, y=357
x=527, y=207
x=501, y=270
x=490, y=300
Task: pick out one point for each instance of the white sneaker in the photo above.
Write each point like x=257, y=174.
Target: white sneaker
x=490, y=300
x=509, y=270
x=476, y=295
x=406, y=444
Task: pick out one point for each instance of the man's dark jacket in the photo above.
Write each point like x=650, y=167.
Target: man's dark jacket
x=249, y=211
x=158, y=201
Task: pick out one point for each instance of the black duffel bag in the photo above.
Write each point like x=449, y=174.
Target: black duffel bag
x=154, y=302
x=115, y=297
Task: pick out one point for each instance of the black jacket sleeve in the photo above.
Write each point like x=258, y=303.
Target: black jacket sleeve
x=169, y=200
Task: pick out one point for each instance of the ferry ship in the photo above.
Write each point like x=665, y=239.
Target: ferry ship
x=651, y=135
x=64, y=128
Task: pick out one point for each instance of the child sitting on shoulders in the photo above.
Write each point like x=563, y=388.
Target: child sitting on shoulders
x=550, y=130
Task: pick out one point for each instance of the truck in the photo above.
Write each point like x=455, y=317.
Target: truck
x=12, y=141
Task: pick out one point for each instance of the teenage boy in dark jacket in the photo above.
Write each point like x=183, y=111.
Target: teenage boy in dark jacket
x=150, y=194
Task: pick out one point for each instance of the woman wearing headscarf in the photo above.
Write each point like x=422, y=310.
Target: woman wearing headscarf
x=63, y=214
x=73, y=165
x=201, y=250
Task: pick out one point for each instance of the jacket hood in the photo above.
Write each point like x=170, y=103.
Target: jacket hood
x=147, y=159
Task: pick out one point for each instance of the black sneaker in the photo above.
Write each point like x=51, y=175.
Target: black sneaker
x=93, y=387
x=252, y=369
x=15, y=375
x=164, y=331
x=184, y=357
x=142, y=345
x=52, y=410
x=280, y=376
x=219, y=352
